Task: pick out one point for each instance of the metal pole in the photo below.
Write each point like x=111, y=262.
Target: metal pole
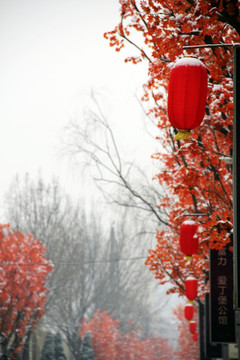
x=236, y=185
x=207, y=46
x=201, y=330
x=225, y=352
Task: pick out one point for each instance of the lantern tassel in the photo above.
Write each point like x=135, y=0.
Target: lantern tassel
x=182, y=134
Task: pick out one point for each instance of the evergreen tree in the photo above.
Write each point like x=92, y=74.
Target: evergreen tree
x=48, y=348
x=87, y=352
x=59, y=352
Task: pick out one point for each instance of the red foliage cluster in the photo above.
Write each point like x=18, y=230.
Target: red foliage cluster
x=23, y=271
x=109, y=343
x=194, y=172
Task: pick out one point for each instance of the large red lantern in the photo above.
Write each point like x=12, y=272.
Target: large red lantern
x=188, y=238
x=192, y=327
x=187, y=94
x=188, y=311
x=191, y=288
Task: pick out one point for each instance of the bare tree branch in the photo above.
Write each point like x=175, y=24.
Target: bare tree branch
x=124, y=183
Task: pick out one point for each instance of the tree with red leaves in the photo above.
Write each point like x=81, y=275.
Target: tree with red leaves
x=104, y=334
x=109, y=343
x=195, y=172
x=23, y=272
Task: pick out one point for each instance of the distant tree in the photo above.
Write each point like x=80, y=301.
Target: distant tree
x=48, y=351
x=92, y=269
x=63, y=228
x=86, y=350
x=109, y=342
x=59, y=352
x=105, y=333
x=23, y=277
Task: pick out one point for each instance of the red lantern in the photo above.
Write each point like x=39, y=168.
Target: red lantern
x=187, y=94
x=191, y=288
x=192, y=327
x=195, y=336
x=188, y=238
x=188, y=311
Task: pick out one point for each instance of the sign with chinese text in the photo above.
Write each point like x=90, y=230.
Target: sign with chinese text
x=222, y=315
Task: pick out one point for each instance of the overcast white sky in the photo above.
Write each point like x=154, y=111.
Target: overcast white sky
x=52, y=53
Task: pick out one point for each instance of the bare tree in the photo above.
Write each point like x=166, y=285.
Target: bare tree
x=72, y=244
x=93, y=269
x=90, y=143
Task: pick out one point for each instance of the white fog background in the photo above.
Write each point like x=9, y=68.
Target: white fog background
x=52, y=55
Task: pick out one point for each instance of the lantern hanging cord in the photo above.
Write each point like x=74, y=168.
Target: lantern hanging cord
x=182, y=134
x=86, y=262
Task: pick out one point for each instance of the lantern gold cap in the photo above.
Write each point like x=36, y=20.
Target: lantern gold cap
x=188, y=258
x=182, y=134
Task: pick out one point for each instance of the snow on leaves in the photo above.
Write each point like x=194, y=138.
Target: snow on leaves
x=23, y=272
x=196, y=177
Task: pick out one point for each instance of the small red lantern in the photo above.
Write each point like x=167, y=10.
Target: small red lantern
x=188, y=311
x=195, y=336
x=192, y=327
x=191, y=288
x=187, y=94
x=188, y=238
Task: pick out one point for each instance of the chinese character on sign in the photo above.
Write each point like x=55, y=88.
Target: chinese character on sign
x=222, y=300
x=222, y=314
x=222, y=284
x=223, y=320
x=222, y=310
x=222, y=258
x=222, y=280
